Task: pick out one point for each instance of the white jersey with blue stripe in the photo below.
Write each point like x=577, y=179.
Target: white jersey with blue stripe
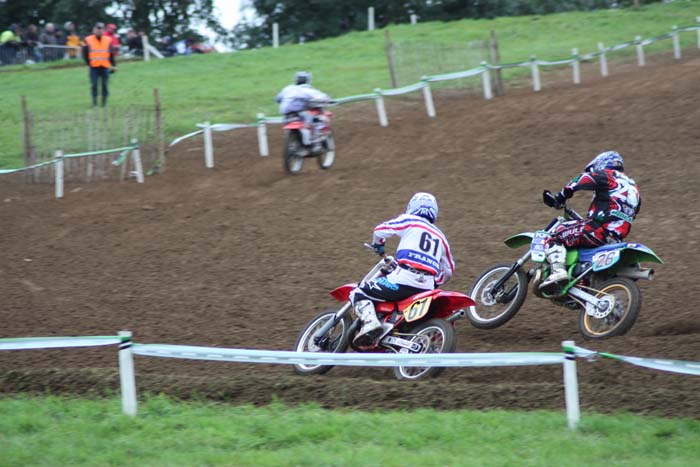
x=422, y=246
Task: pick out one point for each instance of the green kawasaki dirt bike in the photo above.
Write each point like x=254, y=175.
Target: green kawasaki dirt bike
x=602, y=282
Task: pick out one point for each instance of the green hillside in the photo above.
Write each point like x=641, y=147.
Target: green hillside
x=234, y=87
x=60, y=431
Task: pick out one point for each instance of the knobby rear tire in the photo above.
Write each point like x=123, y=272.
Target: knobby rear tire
x=480, y=319
x=615, y=324
x=448, y=344
x=292, y=162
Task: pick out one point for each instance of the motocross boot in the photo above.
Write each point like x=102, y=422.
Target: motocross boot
x=556, y=255
x=371, y=327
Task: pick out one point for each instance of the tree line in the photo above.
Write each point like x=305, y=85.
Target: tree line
x=298, y=19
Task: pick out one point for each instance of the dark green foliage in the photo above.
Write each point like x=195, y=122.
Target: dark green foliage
x=312, y=20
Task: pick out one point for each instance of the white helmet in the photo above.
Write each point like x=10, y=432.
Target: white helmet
x=423, y=205
x=302, y=77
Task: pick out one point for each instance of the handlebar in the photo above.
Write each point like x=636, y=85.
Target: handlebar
x=549, y=199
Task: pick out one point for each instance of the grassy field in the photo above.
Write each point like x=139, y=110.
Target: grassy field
x=234, y=87
x=58, y=431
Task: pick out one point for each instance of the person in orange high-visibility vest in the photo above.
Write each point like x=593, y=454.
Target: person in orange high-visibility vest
x=99, y=56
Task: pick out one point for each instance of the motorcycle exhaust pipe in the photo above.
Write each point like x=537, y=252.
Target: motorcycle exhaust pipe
x=455, y=316
x=636, y=273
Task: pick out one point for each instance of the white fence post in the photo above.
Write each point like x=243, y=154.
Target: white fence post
x=136, y=158
x=676, y=43
x=576, y=65
x=486, y=81
x=534, y=67
x=262, y=136
x=275, y=35
x=370, y=18
x=640, y=50
x=697, y=23
x=573, y=410
x=58, y=169
x=381, y=111
x=603, y=60
x=428, y=96
x=208, y=147
x=126, y=374
x=146, y=48
x=414, y=19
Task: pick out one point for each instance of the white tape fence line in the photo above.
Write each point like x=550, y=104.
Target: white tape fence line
x=424, y=85
x=127, y=349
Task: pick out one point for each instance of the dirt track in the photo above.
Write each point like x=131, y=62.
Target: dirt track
x=243, y=255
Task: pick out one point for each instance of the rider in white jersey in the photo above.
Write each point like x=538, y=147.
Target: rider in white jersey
x=424, y=261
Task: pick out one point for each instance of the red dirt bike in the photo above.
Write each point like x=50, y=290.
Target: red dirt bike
x=321, y=144
x=422, y=323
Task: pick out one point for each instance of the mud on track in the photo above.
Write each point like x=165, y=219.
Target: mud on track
x=243, y=255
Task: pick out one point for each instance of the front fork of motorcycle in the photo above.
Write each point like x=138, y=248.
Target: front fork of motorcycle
x=332, y=322
x=517, y=265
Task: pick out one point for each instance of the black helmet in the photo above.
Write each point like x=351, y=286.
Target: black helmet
x=302, y=77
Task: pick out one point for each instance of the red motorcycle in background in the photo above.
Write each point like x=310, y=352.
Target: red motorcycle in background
x=423, y=323
x=318, y=134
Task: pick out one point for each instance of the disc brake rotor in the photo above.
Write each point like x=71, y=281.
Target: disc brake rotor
x=604, y=307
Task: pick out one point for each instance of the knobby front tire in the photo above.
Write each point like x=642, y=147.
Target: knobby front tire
x=292, y=162
x=326, y=159
x=337, y=341
x=492, y=312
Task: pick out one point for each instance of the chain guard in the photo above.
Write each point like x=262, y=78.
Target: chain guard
x=404, y=345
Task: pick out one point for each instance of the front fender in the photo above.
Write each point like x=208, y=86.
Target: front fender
x=342, y=293
x=521, y=239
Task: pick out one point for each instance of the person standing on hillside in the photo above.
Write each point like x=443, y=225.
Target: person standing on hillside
x=72, y=39
x=99, y=56
x=9, y=45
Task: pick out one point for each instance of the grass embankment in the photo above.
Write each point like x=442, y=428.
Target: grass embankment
x=59, y=431
x=234, y=87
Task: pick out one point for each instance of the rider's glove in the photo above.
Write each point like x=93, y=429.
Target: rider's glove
x=378, y=248
x=560, y=200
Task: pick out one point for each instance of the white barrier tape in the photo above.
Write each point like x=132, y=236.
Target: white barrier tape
x=184, y=137
x=352, y=359
x=404, y=90
x=226, y=126
x=689, y=28
x=673, y=366
x=566, y=61
x=617, y=47
x=274, y=120
x=358, y=98
x=21, y=169
x=509, y=65
x=56, y=342
x=456, y=75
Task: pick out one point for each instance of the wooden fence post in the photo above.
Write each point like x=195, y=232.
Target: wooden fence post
x=573, y=410
x=676, y=43
x=414, y=18
x=697, y=23
x=136, y=159
x=390, y=57
x=27, y=136
x=640, y=50
x=208, y=147
x=275, y=35
x=146, y=48
x=127, y=379
x=381, y=110
x=159, y=132
x=603, y=60
x=428, y=96
x=370, y=18
x=535, y=69
x=576, y=65
x=496, y=60
x=486, y=81
x=262, y=136
x=58, y=171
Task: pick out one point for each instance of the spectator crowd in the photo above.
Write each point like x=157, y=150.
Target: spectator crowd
x=20, y=45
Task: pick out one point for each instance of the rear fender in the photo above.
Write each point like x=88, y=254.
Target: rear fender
x=521, y=239
x=444, y=303
x=295, y=125
x=637, y=253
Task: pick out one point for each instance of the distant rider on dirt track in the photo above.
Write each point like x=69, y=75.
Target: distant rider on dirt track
x=616, y=202
x=295, y=98
x=424, y=259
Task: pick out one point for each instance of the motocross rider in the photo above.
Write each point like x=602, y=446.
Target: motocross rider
x=423, y=257
x=616, y=202
x=294, y=99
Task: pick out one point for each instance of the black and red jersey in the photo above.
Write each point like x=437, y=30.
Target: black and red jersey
x=616, y=200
